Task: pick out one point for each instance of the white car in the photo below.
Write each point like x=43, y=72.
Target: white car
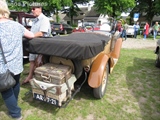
x=105, y=27
x=130, y=31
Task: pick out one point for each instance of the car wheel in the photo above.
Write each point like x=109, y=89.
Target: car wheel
x=54, y=33
x=157, y=62
x=100, y=91
x=65, y=32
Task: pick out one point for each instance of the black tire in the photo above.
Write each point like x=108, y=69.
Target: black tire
x=157, y=62
x=101, y=90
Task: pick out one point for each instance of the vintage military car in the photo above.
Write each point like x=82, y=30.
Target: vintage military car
x=91, y=57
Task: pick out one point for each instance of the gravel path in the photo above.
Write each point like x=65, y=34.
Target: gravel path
x=139, y=43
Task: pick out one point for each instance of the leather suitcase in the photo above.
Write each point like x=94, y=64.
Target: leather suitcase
x=52, y=93
x=53, y=73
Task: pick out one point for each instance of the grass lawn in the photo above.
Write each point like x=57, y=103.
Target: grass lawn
x=133, y=93
x=149, y=36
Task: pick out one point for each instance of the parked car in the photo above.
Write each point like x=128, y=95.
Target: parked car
x=61, y=28
x=79, y=29
x=86, y=27
x=130, y=31
x=105, y=27
x=92, y=27
x=89, y=57
x=157, y=52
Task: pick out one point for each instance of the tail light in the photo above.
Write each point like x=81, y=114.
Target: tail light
x=61, y=27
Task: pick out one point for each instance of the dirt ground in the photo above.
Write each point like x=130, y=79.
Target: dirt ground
x=139, y=43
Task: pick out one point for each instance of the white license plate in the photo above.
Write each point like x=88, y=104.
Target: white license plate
x=48, y=100
x=56, y=28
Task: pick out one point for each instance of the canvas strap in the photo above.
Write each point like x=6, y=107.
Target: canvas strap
x=45, y=91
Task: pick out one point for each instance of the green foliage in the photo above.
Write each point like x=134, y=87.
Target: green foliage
x=114, y=8
x=50, y=6
x=73, y=9
x=149, y=7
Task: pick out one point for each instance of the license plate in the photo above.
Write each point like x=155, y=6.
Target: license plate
x=48, y=100
x=56, y=28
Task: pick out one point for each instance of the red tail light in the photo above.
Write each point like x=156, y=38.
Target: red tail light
x=61, y=27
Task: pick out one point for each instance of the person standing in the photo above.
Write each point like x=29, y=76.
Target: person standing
x=146, y=31
x=136, y=28
x=11, y=40
x=125, y=27
x=155, y=29
x=118, y=28
x=41, y=28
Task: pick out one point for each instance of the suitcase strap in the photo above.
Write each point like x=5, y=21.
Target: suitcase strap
x=44, y=89
x=46, y=79
x=69, y=90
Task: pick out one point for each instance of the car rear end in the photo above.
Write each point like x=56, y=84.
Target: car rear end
x=130, y=31
x=57, y=28
x=67, y=29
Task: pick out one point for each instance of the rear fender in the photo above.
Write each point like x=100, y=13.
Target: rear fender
x=157, y=50
x=97, y=70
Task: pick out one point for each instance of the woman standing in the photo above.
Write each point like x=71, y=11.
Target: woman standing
x=146, y=31
x=11, y=40
x=136, y=28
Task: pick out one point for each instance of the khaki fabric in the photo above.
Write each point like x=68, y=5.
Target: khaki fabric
x=63, y=61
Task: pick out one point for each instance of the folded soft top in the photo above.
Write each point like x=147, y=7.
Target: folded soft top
x=74, y=46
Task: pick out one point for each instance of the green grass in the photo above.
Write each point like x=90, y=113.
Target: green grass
x=149, y=36
x=133, y=93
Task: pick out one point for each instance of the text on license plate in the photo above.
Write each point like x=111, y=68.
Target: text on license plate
x=48, y=100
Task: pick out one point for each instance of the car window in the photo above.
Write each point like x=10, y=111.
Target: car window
x=65, y=25
x=55, y=25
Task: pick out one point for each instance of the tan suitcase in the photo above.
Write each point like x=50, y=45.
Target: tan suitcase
x=52, y=93
x=53, y=73
x=63, y=61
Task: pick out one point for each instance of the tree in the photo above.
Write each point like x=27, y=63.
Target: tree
x=114, y=8
x=49, y=7
x=73, y=9
x=147, y=8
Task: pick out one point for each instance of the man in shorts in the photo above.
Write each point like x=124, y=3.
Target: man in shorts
x=41, y=28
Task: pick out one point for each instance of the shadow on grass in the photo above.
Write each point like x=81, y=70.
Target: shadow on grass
x=143, y=80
